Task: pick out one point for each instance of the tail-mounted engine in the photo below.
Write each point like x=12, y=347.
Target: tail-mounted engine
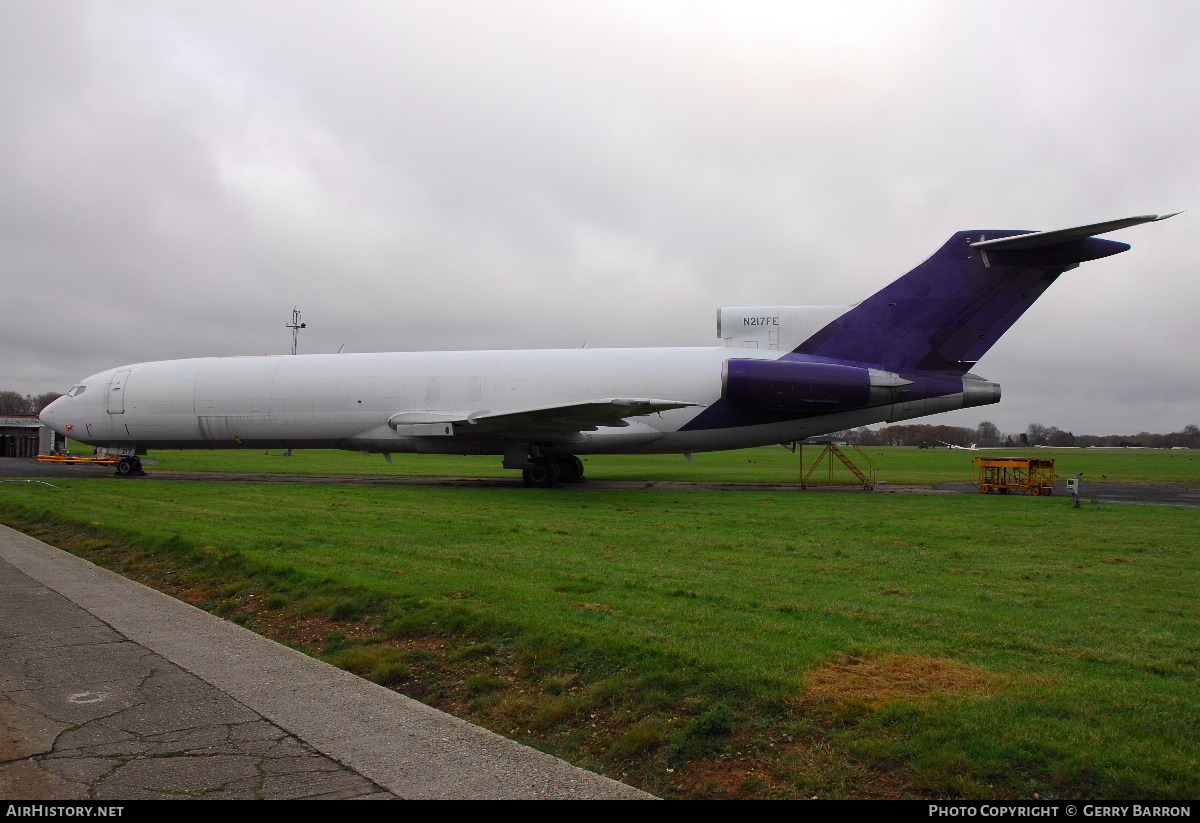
x=813, y=387
x=802, y=386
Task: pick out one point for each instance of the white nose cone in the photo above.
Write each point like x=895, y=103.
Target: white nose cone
x=50, y=416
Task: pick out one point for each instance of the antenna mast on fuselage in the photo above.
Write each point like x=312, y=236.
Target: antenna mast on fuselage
x=296, y=326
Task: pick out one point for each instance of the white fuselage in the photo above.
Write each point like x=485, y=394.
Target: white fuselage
x=345, y=400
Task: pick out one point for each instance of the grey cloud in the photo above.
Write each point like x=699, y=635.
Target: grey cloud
x=416, y=175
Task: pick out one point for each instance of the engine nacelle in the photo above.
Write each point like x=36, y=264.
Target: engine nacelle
x=802, y=386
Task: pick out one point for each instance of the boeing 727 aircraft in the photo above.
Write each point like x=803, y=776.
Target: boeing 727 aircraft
x=782, y=375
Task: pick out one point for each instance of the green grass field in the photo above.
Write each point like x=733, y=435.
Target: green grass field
x=716, y=644
x=897, y=465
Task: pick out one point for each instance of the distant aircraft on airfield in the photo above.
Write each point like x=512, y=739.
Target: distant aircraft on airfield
x=782, y=375
x=974, y=447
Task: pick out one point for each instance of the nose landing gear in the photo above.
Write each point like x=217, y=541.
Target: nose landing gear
x=130, y=467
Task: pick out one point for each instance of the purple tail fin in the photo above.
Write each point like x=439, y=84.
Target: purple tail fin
x=947, y=312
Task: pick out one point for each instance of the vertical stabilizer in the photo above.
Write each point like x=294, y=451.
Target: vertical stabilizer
x=947, y=312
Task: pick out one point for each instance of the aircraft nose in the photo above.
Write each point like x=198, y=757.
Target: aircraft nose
x=51, y=415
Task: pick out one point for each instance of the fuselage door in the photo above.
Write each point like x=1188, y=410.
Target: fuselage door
x=116, y=392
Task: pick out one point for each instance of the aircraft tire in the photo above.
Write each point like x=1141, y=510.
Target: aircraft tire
x=125, y=467
x=570, y=469
x=543, y=474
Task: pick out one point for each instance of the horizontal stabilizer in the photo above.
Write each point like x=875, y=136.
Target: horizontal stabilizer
x=1044, y=239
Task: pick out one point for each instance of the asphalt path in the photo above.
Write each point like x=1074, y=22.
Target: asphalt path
x=112, y=690
x=1105, y=491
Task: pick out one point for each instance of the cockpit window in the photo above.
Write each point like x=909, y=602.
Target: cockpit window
x=76, y=391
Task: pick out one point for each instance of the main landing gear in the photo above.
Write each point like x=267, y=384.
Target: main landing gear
x=549, y=470
x=130, y=467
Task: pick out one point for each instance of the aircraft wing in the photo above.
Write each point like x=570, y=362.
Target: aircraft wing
x=539, y=423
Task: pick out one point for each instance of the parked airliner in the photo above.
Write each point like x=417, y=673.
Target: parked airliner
x=782, y=374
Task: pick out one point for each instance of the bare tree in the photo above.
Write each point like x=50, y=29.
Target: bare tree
x=13, y=403
x=1058, y=437
x=988, y=434
x=41, y=401
x=1037, y=434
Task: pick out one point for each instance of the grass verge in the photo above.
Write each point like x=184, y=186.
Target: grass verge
x=897, y=465
x=707, y=644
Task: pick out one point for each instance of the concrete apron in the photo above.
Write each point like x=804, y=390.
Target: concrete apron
x=114, y=690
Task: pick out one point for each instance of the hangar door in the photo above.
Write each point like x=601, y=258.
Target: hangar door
x=18, y=442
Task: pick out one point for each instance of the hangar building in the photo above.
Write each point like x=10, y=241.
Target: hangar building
x=23, y=435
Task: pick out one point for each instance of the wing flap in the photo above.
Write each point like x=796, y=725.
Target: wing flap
x=551, y=422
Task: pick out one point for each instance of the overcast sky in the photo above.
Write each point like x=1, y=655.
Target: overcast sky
x=176, y=176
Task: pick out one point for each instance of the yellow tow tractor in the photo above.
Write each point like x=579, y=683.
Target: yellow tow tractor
x=123, y=465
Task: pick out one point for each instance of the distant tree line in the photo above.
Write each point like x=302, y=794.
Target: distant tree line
x=987, y=435
x=13, y=403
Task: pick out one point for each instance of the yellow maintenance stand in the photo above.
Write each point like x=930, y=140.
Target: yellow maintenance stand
x=826, y=456
x=1000, y=474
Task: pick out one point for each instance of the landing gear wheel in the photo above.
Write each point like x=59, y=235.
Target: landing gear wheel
x=543, y=474
x=570, y=468
x=130, y=467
